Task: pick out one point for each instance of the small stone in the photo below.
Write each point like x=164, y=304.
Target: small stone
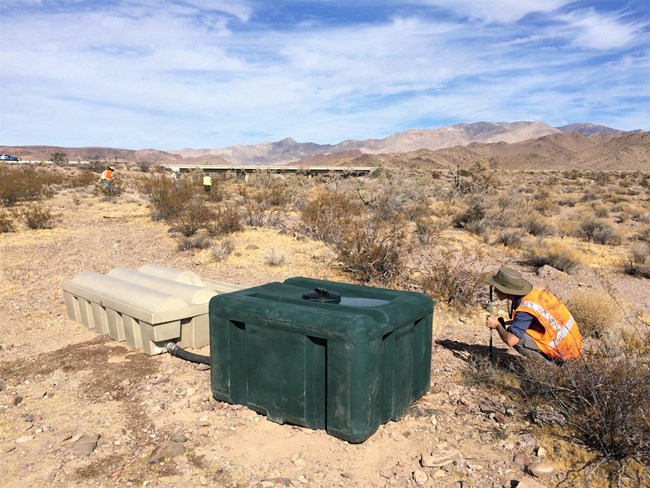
x=125, y=382
x=85, y=445
x=499, y=417
x=25, y=438
x=528, y=482
x=420, y=477
x=521, y=459
x=202, y=367
x=541, y=469
x=40, y=395
x=439, y=473
x=487, y=407
x=439, y=457
x=541, y=452
x=203, y=431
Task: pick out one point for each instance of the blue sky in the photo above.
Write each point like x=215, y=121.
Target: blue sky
x=170, y=74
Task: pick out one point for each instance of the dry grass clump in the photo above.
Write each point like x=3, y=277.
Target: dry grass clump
x=167, y=196
x=274, y=258
x=595, y=312
x=558, y=254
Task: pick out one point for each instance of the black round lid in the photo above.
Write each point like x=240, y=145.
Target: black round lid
x=322, y=295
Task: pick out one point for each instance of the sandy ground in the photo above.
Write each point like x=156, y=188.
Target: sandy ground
x=79, y=409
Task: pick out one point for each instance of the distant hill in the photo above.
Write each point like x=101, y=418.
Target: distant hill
x=288, y=150
x=44, y=153
x=589, y=129
x=509, y=145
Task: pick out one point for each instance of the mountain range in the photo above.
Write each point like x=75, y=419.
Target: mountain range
x=526, y=145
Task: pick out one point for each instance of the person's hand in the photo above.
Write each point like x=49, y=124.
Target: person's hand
x=491, y=322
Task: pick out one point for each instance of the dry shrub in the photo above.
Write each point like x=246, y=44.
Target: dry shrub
x=19, y=184
x=225, y=220
x=36, y=217
x=452, y=278
x=373, y=252
x=600, y=232
x=194, y=216
x=6, y=223
x=638, y=262
x=510, y=238
x=538, y=225
x=428, y=229
x=193, y=242
x=558, y=254
x=168, y=197
x=328, y=216
x=595, y=312
x=603, y=397
x=222, y=249
x=274, y=258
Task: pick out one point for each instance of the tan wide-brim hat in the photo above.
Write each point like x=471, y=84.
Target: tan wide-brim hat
x=510, y=281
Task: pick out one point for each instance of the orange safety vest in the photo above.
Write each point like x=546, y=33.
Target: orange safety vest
x=107, y=174
x=561, y=338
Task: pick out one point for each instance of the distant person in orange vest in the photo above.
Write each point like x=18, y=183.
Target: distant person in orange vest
x=107, y=178
x=540, y=326
x=207, y=182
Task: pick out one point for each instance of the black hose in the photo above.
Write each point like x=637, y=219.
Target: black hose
x=177, y=351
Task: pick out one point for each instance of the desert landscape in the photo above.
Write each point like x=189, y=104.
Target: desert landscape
x=80, y=409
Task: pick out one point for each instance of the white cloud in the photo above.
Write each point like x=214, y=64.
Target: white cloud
x=500, y=11
x=599, y=31
x=193, y=77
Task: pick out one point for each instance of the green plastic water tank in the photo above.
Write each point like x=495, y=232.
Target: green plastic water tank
x=324, y=355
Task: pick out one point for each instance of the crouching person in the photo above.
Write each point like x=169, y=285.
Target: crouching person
x=541, y=325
